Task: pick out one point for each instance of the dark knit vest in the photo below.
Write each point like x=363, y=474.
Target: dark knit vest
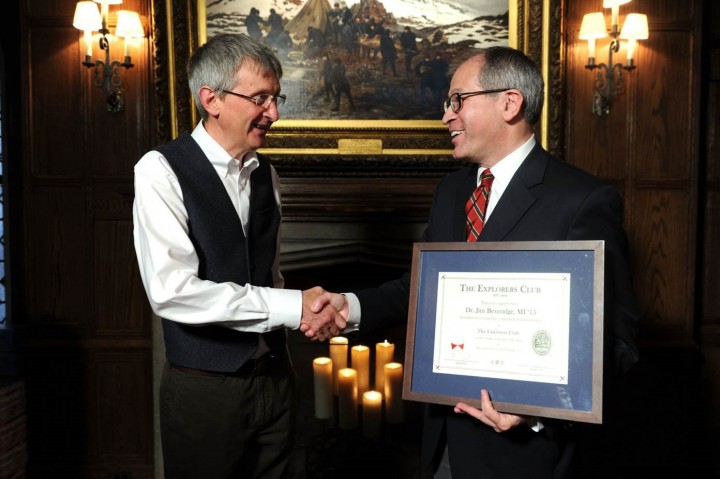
x=225, y=254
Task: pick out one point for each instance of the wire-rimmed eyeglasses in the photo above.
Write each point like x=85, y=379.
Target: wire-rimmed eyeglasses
x=455, y=101
x=262, y=100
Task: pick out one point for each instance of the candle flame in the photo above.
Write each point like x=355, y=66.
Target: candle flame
x=370, y=395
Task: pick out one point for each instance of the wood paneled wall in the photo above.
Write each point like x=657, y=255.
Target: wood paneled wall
x=709, y=214
x=87, y=349
x=648, y=147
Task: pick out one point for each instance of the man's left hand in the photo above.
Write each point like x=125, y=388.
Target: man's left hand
x=499, y=421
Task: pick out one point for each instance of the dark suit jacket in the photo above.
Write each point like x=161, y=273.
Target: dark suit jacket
x=546, y=200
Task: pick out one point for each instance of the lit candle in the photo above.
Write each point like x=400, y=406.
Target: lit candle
x=384, y=353
x=104, y=13
x=591, y=48
x=87, y=34
x=630, y=50
x=372, y=414
x=322, y=372
x=615, y=9
x=338, y=354
x=360, y=362
x=394, y=412
x=347, y=398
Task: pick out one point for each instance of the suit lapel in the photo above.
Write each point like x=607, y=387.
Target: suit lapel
x=465, y=189
x=517, y=198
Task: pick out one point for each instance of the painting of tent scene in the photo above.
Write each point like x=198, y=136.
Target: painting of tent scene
x=369, y=60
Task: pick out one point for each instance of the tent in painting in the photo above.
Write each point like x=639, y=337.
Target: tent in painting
x=313, y=14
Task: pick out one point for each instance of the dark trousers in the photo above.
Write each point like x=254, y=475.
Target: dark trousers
x=227, y=426
x=477, y=451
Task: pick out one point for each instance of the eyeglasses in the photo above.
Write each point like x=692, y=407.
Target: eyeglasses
x=262, y=100
x=455, y=101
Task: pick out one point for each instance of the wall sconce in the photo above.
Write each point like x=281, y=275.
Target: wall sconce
x=106, y=74
x=609, y=80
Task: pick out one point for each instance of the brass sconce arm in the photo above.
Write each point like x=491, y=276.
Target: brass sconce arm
x=106, y=76
x=609, y=80
x=107, y=73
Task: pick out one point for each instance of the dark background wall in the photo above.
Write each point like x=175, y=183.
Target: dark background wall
x=85, y=346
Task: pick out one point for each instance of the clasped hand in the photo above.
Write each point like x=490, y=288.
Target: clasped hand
x=324, y=314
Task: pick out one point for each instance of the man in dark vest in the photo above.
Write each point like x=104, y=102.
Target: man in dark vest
x=206, y=223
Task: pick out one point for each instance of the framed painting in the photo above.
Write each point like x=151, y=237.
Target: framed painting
x=361, y=77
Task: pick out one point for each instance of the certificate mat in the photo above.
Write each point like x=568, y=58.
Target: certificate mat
x=523, y=320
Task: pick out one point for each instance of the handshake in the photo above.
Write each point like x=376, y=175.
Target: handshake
x=324, y=314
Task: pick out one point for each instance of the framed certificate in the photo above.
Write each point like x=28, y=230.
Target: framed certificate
x=523, y=320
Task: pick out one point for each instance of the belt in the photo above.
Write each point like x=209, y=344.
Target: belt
x=253, y=367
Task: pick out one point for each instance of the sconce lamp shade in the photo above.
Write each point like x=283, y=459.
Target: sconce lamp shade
x=608, y=3
x=593, y=26
x=114, y=2
x=129, y=25
x=87, y=16
x=635, y=27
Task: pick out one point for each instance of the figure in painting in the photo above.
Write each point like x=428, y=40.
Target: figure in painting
x=439, y=81
x=408, y=42
x=315, y=42
x=341, y=85
x=423, y=69
x=252, y=23
x=388, y=52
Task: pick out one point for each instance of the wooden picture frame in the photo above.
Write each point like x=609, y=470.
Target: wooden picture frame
x=534, y=28
x=523, y=320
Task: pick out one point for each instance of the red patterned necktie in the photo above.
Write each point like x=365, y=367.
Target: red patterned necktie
x=476, y=206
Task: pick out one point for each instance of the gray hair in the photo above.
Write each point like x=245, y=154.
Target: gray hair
x=505, y=67
x=216, y=63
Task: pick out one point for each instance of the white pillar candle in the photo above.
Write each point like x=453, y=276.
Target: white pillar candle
x=615, y=16
x=371, y=414
x=322, y=372
x=591, y=48
x=394, y=411
x=87, y=35
x=384, y=353
x=360, y=362
x=347, y=398
x=630, y=50
x=338, y=354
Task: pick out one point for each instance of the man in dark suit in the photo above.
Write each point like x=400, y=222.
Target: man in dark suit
x=495, y=100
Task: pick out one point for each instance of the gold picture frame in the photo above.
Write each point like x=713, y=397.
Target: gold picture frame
x=179, y=27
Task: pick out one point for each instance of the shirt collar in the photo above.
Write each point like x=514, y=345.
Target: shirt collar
x=505, y=169
x=221, y=160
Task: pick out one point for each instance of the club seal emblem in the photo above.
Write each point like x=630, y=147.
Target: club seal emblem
x=541, y=343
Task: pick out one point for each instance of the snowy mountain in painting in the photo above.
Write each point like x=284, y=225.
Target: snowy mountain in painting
x=460, y=21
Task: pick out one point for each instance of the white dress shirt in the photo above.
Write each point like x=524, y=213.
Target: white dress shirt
x=169, y=263
x=503, y=171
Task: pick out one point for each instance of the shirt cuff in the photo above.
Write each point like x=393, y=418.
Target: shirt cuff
x=535, y=423
x=285, y=308
x=353, y=320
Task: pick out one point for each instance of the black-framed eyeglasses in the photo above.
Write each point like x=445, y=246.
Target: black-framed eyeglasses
x=455, y=100
x=262, y=100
